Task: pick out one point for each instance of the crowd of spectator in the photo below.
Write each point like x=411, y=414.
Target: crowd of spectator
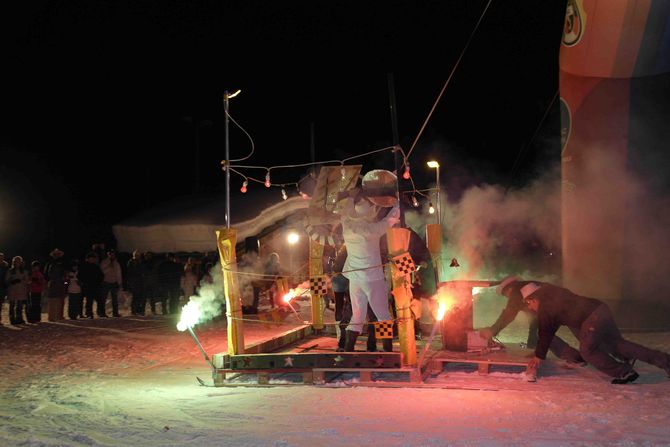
x=155, y=284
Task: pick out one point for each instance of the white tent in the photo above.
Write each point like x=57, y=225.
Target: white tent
x=188, y=224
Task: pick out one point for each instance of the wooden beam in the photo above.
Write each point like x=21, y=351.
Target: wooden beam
x=225, y=241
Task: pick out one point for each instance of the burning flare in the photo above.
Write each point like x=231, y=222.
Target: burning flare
x=445, y=302
x=289, y=296
x=190, y=316
x=441, y=310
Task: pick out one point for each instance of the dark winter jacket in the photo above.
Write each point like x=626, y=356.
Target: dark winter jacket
x=90, y=276
x=514, y=305
x=55, y=274
x=135, y=271
x=559, y=307
x=169, y=273
x=4, y=266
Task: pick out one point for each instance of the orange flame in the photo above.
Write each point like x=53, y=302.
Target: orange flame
x=289, y=296
x=445, y=303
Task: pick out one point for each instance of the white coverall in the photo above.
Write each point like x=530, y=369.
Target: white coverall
x=361, y=238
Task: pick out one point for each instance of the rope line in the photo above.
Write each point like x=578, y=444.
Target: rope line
x=448, y=80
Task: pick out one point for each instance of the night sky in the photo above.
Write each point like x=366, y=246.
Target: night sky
x=100, y=99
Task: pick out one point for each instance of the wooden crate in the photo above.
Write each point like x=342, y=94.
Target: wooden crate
x=484, y=361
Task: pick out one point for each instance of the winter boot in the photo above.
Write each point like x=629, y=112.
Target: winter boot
x=387, y=344
x=628, y=377
x=372, y=339
x=342, y=341
x=351, y=341
x=417, y=330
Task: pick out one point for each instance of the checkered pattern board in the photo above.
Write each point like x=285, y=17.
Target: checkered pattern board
x=404, y=263
x=318, y=285
x=384, y=329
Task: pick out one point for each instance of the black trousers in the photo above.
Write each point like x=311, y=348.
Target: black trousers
x=342, y=315
x=139, y=301
x=34, y=308
x=74, y=301
x=111, y=289
x=93, y=294
x=16, y=311
x=172, y=299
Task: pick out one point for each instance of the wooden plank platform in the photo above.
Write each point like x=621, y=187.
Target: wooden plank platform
x=484, y=361
x=222, y=359
x=316, y=376
x=337, y=360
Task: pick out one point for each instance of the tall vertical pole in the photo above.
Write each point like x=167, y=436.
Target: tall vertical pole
x=196, y=125
x=439, y=206
x=396, y=141
x=225, y=112
x=312, y=143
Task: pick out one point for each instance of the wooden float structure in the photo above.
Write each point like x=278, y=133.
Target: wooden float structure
x=308, y=353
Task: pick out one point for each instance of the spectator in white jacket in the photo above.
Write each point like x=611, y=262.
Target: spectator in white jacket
x=16, y=279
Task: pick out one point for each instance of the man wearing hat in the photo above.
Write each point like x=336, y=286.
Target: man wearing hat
x=510, y=287
x=600, y=341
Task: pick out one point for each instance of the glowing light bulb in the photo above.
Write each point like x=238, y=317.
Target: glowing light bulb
x=343, y=172
x=405, y=174
x=293, y=238
x=431, y=208
x=244, y=186
x=283, y=194
x=267, y=180
x=415, y=203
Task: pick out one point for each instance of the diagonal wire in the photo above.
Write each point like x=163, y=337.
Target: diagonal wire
x=524, y=148
x=453, y=70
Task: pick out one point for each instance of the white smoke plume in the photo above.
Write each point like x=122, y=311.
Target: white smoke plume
x=209, y=301
x=493, y=233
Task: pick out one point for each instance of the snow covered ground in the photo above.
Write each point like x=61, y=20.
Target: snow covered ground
x=132, y=382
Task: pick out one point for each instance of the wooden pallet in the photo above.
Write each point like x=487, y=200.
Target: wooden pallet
x=367, y=376
x=484, y=361
x=316, y=376
x=263, y=377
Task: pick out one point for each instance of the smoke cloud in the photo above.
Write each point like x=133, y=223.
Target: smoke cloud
x=208, y=303
x=494, y=233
